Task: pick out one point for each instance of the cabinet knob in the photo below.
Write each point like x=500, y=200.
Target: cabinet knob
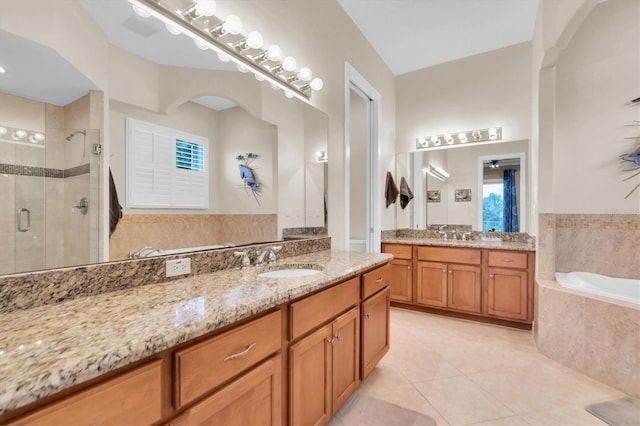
x=337, y=337
x=451, y=272
x=444, y=270
x=490, y=275
x=409, y=267
x=368, y=315
x=331, y=341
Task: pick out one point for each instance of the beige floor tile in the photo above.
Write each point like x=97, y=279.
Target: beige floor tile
x=504, y=421
x=408, y=397
x=562, y=416
x=384, y=376
x=421, y=367
x=461, y=401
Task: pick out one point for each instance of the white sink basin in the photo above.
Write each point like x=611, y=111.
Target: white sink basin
x=289, y=273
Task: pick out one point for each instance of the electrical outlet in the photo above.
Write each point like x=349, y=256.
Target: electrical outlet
x=178, y=267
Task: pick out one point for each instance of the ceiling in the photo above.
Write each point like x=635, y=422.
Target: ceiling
x=408, y=35
x=413, y=34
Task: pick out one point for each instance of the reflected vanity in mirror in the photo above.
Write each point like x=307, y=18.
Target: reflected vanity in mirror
x=155, y=77
x=461, y=197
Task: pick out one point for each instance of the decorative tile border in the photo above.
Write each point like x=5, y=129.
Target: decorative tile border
x=15, y=169
x=512, y=237
x=319, y=230
x=131, y=219
x=598, y=221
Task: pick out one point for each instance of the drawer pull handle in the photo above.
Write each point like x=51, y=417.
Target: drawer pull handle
x=506, y=259
x=240, y=354
x=379, y=280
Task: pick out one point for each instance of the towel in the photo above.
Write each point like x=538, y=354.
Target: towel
x=115, y=209
x=406, y=194
x=391, y=190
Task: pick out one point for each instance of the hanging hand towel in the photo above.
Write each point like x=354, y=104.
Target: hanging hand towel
x=406, y=194
x=391, y=190
x=115, y=209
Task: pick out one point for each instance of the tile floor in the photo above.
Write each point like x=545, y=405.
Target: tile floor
x=462, y=372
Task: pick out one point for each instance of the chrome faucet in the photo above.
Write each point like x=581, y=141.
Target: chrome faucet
x=246, y=262
x=269, y=252
x=145, y=251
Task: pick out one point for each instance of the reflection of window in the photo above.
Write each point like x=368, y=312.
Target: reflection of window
x=492, y=202
x=166, y=168
x=189, y=156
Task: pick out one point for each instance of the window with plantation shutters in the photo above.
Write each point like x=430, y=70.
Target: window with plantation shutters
x=166, y=168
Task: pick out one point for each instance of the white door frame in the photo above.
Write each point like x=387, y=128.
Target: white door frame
x=354, y=79
x=522, y=202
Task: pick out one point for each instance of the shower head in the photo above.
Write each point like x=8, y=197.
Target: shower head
x=82, y=132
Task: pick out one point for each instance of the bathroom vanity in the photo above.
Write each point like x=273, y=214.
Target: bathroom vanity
x=478, y=280
x=226, y=347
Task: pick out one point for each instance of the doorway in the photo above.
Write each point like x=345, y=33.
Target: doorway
x=362, y=181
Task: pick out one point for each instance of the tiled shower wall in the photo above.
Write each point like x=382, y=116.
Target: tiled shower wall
x=177, y=231
x=604, y=244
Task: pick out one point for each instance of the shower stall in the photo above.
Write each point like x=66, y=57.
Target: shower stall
x=49, y=184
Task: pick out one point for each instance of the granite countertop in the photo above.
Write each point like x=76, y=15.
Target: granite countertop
x=47, y=349
x=496, y=245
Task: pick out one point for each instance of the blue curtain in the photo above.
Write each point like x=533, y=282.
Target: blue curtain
x=510, y=209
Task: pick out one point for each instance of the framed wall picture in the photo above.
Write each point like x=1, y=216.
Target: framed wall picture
x=462, y=196
x=433, y=196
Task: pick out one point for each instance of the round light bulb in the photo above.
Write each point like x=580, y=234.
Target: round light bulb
x=206, y=7
x=421, y=141
x=274, y=52
x=289, y=63
x=316, y=84
x=275, y=86
x=242, y=68
x=305, y=74
x=259, y=77
x=173, y=30
x=19, y=134
x=3, y=130
x=254, y=40
x=288, y=94
x=39, y=137
x=140, y=11
x=200, y=45
x=232, y=25
x=448, y=139
x=462, y=137
x=435, y=140
x=223, y=57
x=493, y=133
x=2, y=70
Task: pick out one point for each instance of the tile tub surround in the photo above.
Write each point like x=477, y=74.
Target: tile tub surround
x=34, y=289
x=178, y=231
x=50, y=348
x=594, y=335
x=422, y=237
x=605, y=244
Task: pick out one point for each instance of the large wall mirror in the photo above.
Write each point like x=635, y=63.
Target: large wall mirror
x=61, y=132
x=478, y=182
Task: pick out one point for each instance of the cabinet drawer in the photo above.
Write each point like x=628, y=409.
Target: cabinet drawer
x=449, y=255
x=313, y=311
x=134, y=398
x=376, y=280
x=508, y=259
x=204, y=366
x=399, y=251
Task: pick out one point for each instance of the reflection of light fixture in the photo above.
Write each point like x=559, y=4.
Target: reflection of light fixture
x=198, y=22
x=494, y=164
x=322, y=156
x=492, y=134
x=437, y=172
x=3, y=131
x=21, y=135
x=2, y=70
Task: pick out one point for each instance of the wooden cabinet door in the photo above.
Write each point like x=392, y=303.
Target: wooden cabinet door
x=464, y=288
x=346, y=357
x=508, y=294
x=375, y=330
x=401, y=282
x=310, y=376
x=431, y=286
x=253, y=399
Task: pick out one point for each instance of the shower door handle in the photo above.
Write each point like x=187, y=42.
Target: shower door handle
x=19, y=219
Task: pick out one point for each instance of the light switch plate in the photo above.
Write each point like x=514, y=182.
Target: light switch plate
x=177, y=267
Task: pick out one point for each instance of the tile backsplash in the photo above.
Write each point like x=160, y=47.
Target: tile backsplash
x=604, y=244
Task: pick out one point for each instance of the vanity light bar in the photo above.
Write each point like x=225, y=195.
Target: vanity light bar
x=437, y=172
x=16, y=135
x=204, y=38
x=491, y=134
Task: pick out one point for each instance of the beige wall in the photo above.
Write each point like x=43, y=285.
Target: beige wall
x=358, y=168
